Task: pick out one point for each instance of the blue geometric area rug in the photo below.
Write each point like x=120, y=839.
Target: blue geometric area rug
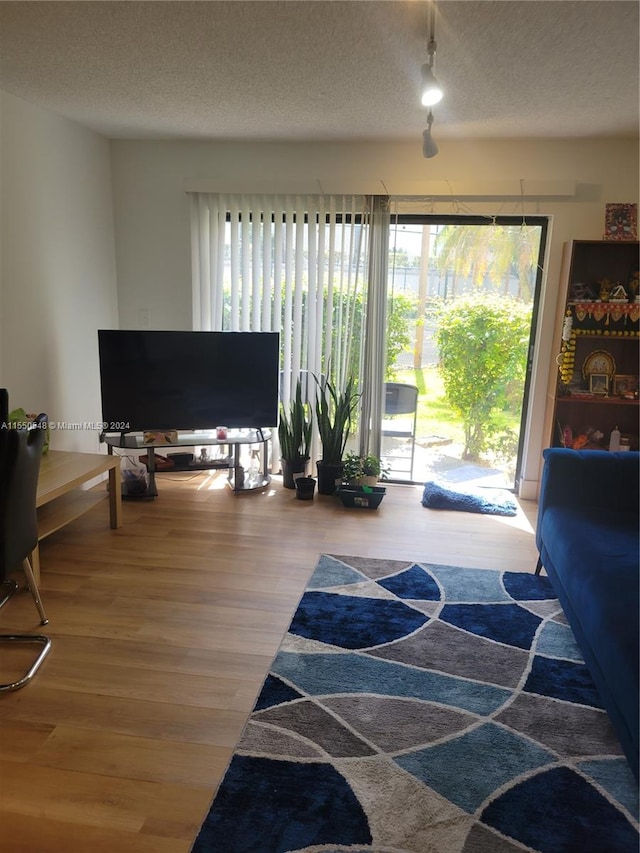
x=487, y=501
x=419, y=708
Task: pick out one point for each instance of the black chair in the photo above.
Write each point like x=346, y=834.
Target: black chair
x=20, y=454
x=399, y=422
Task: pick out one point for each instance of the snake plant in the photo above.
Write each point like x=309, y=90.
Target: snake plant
x=334, y=416
x=294, y=428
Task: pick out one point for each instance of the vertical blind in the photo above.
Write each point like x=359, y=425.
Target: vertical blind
x=293, y=264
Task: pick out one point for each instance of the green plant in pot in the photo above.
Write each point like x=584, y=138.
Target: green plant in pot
x=362, y=470
x=334, y=416
x=294, y=435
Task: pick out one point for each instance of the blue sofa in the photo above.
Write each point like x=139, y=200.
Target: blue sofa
x=588, y=540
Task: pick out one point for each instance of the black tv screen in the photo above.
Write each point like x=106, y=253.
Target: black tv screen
x=162, y=380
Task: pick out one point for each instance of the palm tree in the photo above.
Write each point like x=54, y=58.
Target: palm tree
x=496, y=251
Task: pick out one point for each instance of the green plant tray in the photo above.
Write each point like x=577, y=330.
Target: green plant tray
x=365, y=497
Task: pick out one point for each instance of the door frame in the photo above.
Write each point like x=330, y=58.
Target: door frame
x=541, y=221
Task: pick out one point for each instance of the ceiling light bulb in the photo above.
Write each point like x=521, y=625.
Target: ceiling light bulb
x=429, y=147
x=431, y=90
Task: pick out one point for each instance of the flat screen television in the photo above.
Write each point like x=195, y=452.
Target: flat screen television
x=162, y=380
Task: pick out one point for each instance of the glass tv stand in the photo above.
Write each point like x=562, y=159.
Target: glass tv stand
x=240, y=479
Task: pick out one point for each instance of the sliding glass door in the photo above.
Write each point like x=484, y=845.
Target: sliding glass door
x=431, y=315
x=462, y=303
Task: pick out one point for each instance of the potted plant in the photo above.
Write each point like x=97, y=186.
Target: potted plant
x=305, y=487
x=362, y=470
x=359, y=481
x=334, y=416
x=294, y=435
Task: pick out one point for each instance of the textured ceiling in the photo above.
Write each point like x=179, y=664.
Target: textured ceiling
x=318, y=70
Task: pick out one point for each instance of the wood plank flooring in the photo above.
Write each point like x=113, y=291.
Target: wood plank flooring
x=162, y=634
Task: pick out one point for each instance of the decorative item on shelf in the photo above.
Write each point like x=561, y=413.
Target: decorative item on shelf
x=614, y=440
x=633, y=287
x=604, y=289
x=599, y=361
x=567, y=356
x=599, y=383
x=294, y=434
x=581, y=292
x=587, y=438
x=614, y=317
x=625, y=386
x=334, y=416
x=621, y=221
x=618, y=294
x=253, y=470
x=159, y=437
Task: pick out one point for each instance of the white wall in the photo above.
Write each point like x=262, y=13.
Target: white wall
x=57, y=266
x=152, y=211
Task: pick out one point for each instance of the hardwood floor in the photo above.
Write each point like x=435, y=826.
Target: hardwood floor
x=162, y=634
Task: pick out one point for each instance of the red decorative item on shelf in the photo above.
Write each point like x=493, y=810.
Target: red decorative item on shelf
x=621, y=222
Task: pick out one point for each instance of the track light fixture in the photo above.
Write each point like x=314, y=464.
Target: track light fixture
x=429, y=147
x=431, y=93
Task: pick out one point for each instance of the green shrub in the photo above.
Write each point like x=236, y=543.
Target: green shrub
x=483, y=340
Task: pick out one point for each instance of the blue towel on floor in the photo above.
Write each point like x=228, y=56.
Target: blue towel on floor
x=436, y=496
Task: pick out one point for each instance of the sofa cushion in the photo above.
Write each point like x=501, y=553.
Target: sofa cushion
x=595, y=555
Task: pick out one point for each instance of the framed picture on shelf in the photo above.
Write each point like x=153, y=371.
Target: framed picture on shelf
x=599, y=383
x=581, y=292
x=624, y=385
x=621, y=222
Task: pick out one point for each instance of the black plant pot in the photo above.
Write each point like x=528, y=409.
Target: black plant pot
x=305, y=487
x=291, y=468
x=329, y=476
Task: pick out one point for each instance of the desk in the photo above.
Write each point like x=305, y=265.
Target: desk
x=60, y=501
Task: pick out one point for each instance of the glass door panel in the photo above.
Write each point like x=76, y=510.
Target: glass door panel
x=463, y=295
